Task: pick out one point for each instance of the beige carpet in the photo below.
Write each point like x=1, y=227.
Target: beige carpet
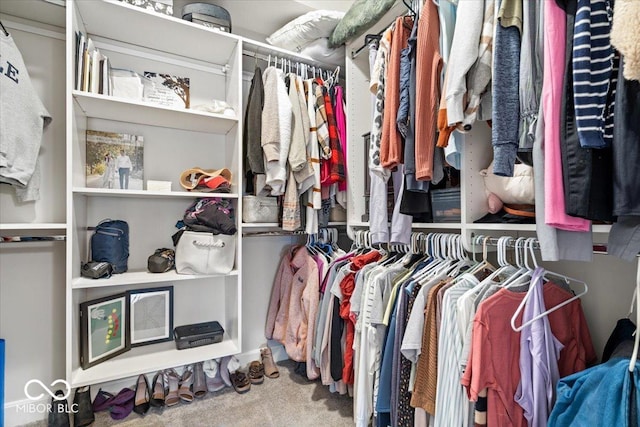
x=289, y=400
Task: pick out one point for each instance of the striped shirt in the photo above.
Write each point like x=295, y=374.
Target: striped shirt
x=452, y=404
x=592, y=72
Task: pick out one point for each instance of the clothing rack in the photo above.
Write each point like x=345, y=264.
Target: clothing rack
x=367, y=40
x=598, y=248
x=293, y=63
x=413, y=8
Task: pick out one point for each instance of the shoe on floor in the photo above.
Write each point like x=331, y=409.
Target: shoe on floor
x=82, y=401
x=59, y=414
x=256, y=372
x=270, y=368
x=240, y=382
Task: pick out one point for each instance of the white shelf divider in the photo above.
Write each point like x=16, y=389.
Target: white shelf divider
x=140, y=277
x=150, y=358
x=55, y=226
x=127, y=110
x=150, y=194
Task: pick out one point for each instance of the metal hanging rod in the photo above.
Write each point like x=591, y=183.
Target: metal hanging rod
x=598, y=248
x=326, y=68
x=25, y=239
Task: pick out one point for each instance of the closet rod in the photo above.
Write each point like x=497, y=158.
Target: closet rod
x=273, y=233
x=25, y=239
x=367, y=39
x=293, y=60
x=598, y=248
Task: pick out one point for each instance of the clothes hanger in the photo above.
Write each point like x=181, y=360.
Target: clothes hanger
x=636, y=343
x=6, y=33
x=409, y=7
x=551, y=310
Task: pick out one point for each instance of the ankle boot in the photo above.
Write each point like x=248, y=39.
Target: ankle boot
x=59, y=414
x=199, y=381
x=84, y=415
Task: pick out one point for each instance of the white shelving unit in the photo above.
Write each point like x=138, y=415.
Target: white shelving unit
x=175, y=139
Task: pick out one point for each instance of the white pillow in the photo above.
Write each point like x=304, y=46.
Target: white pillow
x=320, y=51
x=306, y=28
x=518, y=189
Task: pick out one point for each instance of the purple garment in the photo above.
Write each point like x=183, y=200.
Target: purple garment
x=539, y=354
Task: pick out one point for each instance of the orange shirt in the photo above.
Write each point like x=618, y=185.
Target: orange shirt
x=428, y=71
x=391, y=149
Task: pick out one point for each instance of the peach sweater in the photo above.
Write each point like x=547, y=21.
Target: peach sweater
x=428, y=71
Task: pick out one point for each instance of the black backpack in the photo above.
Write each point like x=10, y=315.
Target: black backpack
x=110, y=243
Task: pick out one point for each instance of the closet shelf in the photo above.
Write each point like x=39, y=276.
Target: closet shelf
x=140, y=277
x=501, y=227
x=51, y=12
x=437, y=225
x=57, y=226
x=150, y=358
x=105, y=192
x=138, y=26
x=126, y=110
x=277, y=225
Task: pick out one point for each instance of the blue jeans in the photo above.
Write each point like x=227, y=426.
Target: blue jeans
x=124, y=178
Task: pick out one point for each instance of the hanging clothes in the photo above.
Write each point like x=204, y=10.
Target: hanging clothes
x=496, y=346
x=24, y=118
x=428, y=71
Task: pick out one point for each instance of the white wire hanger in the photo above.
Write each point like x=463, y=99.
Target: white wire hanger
x=551, y=310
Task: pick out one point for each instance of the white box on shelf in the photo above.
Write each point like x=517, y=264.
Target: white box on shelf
x=158, y=185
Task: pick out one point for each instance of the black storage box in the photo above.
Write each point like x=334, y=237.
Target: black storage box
x=198, y=334
x=208, y=15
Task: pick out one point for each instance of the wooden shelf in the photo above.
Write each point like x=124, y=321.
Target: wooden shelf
x=140, y=277
x=126, y=110
x=150, y=358
x=134, y=25
x=105, y=192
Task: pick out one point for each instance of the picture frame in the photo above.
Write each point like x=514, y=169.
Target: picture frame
x=104, y=330
x=114, y=160
x=150, y=315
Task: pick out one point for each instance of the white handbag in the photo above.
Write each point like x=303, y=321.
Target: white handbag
x=205, y=253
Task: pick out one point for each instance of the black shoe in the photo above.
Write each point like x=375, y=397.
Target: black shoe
x=143, y=396
x=59, y=414
x=83, y=410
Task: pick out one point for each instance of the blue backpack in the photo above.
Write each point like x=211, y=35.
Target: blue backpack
x=110, y=243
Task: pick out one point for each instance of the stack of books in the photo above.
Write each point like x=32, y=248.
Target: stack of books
x=92, y=67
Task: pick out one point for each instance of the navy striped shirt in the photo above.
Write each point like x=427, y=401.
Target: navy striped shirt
x=592, y=73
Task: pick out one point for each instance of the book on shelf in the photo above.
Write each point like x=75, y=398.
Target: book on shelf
x=93, y=68
x=114, y=160
x=166, y=90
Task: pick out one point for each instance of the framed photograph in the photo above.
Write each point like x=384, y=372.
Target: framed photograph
x=151, y=315
x=114, y=160
x=103, y=329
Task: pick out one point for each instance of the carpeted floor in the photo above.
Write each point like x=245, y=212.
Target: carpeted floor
x=289, y=400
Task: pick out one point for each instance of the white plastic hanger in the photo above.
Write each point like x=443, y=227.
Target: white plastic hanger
x=636, y=344
x=551, y=310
